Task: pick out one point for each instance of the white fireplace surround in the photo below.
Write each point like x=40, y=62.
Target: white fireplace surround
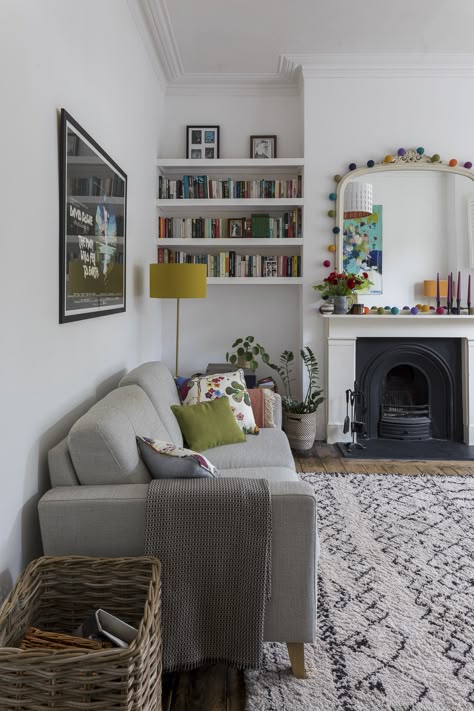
x=342, y=334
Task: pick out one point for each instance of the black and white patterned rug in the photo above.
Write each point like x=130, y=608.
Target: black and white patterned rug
x=395, y=600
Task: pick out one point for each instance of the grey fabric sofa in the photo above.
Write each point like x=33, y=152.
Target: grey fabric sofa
x=96, y=505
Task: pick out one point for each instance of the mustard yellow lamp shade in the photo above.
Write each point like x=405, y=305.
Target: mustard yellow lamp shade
x=429, y=288
x=178, y=281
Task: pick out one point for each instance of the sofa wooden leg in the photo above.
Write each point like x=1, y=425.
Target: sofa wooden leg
x=296, y=654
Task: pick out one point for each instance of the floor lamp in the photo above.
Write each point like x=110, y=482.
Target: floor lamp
x=178, y=281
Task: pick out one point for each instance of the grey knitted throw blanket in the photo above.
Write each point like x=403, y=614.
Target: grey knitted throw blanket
x=213, y=538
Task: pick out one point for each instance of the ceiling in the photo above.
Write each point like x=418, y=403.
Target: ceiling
x=256, y=38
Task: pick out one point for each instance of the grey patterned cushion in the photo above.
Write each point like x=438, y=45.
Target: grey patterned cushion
x=165, y=460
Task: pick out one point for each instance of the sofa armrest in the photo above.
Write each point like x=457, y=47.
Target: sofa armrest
x=110, y=521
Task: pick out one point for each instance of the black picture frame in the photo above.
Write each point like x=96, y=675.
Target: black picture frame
x=202, y=142
x=92, y=227
x=263, y=147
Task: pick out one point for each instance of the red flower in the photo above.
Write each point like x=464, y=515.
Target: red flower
x=351, y=283
x=365, y=275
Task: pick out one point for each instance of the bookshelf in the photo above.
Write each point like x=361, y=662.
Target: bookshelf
x=241, y=188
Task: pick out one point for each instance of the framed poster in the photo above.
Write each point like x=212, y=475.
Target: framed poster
x=363, y=249
x=92, y=227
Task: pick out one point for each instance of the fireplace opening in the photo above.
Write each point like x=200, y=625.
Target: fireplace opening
x=412, y=388
x=405, y=405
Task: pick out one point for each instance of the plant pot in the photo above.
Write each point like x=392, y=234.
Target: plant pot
x=300, y=429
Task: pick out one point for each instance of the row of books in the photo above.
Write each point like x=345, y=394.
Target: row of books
x=112, y=187
x=231, y=264
x=289, y=225
x=203, y=187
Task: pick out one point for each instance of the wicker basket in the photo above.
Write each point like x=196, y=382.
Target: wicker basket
x=56, y=594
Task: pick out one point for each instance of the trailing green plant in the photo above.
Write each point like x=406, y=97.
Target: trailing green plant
x=313, y=396
x=246, y=350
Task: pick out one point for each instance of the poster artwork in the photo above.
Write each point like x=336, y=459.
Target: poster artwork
x=362, y=247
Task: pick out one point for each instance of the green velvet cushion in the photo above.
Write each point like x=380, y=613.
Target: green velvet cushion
x=208, y=424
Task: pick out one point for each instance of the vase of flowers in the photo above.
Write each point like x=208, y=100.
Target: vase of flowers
x=342, y=287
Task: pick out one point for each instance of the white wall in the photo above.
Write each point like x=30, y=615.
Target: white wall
x=87, y=57
x=357, y=119
x=270, y=313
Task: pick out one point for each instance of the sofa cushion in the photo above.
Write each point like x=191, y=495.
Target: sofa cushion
x=102, y=443
x=167, y=461
x=208, y=425
x=269, y=449
x=229, y=385
x=158, y=383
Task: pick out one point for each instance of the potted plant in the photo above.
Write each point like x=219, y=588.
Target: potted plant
x=342, y=287
x=299, y=416
x=246, y=352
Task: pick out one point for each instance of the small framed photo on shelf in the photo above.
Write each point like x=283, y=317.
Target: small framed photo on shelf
x=236, y=226
x=271, y=269
x=263, y=146
x=202, y=142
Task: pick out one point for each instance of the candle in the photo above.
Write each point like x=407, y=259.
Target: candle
x=437, y=290
x=449, y=288
x=469, y=290
x=452, y=289
x=458, y=294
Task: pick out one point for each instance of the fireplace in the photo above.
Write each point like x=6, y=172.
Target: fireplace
x=412, y=387
x=426, y=382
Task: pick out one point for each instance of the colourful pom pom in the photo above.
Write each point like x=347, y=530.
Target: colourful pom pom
x=326, y=263
x=432, y=308
x=337, y=178
x=420, y=150
x=435, y=158
x=352, y=166
x=332, y=196
x=370, y=163
x=387, y=308
x=331, y=247
x=401, y=152
x=380, y=310
x=331, y=213
x=418, y=306
x=394, y=310
x=388, y=159
x=366, y=310
x=453, y=162
x=336, y=230
x=440, y=310
x=414, y=310
x=425, y=308
x=468, y=164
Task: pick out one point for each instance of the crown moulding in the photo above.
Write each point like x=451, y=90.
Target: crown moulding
x=157, y=33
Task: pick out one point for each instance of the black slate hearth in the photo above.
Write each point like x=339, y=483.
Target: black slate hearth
x=433, y=449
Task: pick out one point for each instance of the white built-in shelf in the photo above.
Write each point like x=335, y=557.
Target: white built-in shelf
x=197, y=203
x=230, y=242
x=251, y=281
x=172, y=166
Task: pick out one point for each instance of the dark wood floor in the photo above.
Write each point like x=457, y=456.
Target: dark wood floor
x=217, y=688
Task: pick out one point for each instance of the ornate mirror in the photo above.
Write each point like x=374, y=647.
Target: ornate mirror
x=419, y=222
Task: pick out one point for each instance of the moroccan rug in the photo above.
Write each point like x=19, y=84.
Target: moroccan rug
x=395, y=600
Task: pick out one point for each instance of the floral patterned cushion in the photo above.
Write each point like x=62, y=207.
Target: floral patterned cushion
x=231, y=385
x=167, y=461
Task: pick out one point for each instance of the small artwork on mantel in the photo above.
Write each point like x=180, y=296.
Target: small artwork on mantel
x=363, y=248
x=202, y=142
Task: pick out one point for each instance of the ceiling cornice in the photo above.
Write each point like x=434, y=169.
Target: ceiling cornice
x=383, y=65
x=157, y=32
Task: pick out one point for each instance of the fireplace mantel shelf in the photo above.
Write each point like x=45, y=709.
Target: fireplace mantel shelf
x=397, y=317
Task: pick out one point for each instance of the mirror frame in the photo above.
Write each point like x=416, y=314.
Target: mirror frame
x=410, y=159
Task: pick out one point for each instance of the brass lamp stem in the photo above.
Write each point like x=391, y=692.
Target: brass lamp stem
x=177, y=336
